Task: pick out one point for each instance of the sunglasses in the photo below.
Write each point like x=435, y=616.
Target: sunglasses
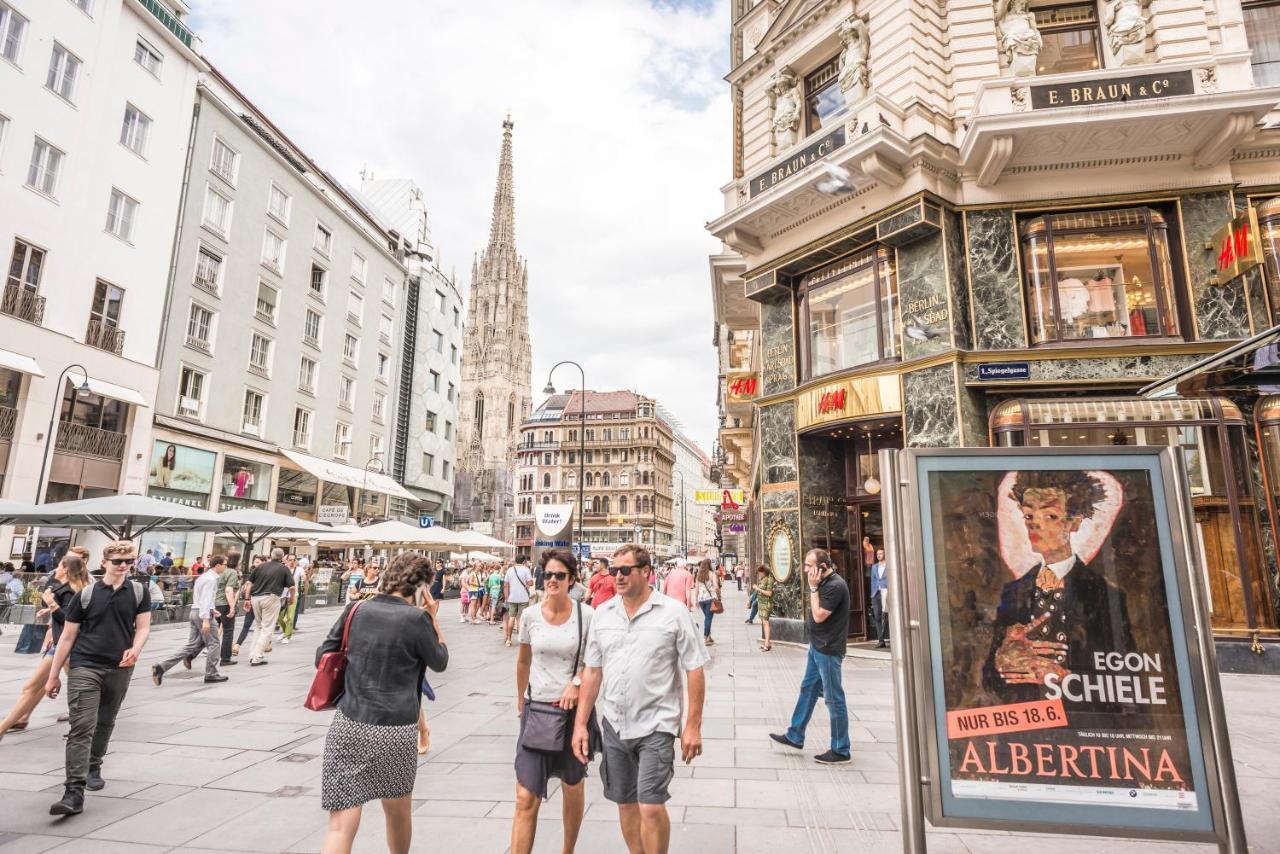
x=121, y=561
x=624, y=570
x=556, y=576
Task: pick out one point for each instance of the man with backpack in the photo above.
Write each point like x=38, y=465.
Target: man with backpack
x=107, y=625
x=515, y=592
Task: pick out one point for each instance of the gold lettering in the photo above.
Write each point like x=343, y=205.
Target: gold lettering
x=1126, y=89
x=1157, y=86
x=1053, y=97
x=1075, y=96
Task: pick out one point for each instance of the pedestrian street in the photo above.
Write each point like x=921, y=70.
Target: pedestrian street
x=237, y=766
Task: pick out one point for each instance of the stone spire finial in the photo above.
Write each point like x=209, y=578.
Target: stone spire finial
x=502, y=228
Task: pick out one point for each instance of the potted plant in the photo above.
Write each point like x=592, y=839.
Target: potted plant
x=29, y=603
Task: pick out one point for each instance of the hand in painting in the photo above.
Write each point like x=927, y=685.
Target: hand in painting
x=1021, y=660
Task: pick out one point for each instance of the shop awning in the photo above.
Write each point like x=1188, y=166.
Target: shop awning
x=1251, y=365
x=20, y=363
x=124, y=394
x=340, y=473
x=1041, y=413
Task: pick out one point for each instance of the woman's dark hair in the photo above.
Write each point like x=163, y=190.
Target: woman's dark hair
x=705, y=563
x=170, y=459
x=406, y=574
x=762, y=570
x=564, y=557
x=233, y=560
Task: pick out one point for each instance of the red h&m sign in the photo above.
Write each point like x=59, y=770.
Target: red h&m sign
x=832, y=401
x=1237, y=247
x=742, y=386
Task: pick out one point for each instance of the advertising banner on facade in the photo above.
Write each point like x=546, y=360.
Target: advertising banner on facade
x=1064, y=685
x=180, y=473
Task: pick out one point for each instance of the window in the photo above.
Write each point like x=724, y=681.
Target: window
x=431, y=421
x=307, y=375
x=217, y=211
x=358, y=266
x=273, y=246
x=375, y=448
x=64, y=67
x=511, y=415
x=479, y=414
x=444, y=469
x=12, y=26
x=260, y=353
x=437, y=340
x=85, y=6
x=108, y=301
x=449, y=396
x=355, y=307
x=429, y=464
x=379, y=406
x=208, y=272
x=323, y=242
x=301, y=428
x=448, y=430
x=265, y=307
x=346, y=391
x=1098, y=274
x=4, y=127
x=822, y=95
x=1261, y=29
x=1070, y=38
x=134, y=130
x=319, y=277
x=342, y=440
x=441, y=299
x=199, y=327
x=191, y=389
x=457, y=319
x=546, y=461
x=453, y=354
x=278, y=203
x=851, y=311
x=311, y=328
x=254, y=403
x=46, y=162
x=434, y=377
x=121, y=212
x=384, y=367
x=148, y=57
x=389, y=291
x=385, y=325
x=546, y=480
x=224, y=161
x=351, y=349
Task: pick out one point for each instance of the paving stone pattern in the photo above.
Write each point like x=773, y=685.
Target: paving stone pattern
x=237, y=766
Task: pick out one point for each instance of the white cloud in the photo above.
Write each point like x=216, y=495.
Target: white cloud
x=621, y=142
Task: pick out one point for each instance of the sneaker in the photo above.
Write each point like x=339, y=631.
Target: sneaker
x=831, y=758
x=157, y=674
x=226, y=662
x=217, y=677
x=258, y=663
x=508, y=643
x=186, y=663
x=94, y=781
x=782, y=739
x=72, y=803
x=284, y=640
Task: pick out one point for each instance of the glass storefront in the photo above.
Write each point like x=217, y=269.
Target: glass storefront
x=851, y=310
x=245, y=483
x=296, y=493
x=1210, y=435
x=1269, y=230
x=1099, y=275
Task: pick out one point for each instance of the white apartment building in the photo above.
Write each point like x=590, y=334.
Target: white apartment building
x=424, y=454
x=95, y=114
x=694, y=524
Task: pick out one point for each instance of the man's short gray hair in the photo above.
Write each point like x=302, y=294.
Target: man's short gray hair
x=277, y=554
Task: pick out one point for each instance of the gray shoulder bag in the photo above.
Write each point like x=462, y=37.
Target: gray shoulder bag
x=546, y=726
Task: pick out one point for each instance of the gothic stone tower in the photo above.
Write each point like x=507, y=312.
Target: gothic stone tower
x=496, y=362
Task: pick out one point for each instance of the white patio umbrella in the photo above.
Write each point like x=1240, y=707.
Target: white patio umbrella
x=476, y=540
x=251, y=526
x=9, y=508
x=393, y=532
x=481, y=556
x=121, y=517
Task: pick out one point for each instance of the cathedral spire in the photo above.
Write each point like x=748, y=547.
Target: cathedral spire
x=502, y=229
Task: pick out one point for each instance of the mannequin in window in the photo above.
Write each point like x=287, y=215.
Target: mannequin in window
x=1102, y=294
x=1073, y=299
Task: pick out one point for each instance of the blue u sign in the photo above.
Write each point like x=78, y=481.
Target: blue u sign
x=425, y=521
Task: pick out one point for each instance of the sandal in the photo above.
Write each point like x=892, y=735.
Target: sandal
x=766, y=647
x=19, y=726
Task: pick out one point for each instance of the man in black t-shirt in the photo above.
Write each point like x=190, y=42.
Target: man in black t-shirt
x=107, y=625
x=266, y=583
x=828, y=623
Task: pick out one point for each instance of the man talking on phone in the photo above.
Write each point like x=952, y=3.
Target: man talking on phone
x=641, y=643
x=828, y=620
x=107, y=625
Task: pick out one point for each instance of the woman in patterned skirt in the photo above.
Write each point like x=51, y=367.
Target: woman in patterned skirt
x=763, y=589
x=371, y=750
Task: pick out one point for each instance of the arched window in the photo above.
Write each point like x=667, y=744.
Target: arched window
x=546, y=480
x=594, y=503
x=605, y=481
x=622, y=504
x=573, y=435
x=605, y=504
x=573, y=458
x=479, y=413
x=571, y=479
x=647, y=508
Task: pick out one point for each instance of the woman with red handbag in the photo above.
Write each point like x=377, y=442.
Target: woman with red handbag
x=371, y=752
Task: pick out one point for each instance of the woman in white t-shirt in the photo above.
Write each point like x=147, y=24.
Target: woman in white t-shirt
x=549, y=664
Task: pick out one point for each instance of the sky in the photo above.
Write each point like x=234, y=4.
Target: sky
x=621, y=143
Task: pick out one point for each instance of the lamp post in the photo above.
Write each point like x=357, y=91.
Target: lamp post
x=684, y=517
x=364, y=487
x=82, y=391
x=582, y=437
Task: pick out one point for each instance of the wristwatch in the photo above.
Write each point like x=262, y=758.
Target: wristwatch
x=577, y=681
x=813, y=590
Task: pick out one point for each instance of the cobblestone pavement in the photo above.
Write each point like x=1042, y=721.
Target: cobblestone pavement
x=236, y=766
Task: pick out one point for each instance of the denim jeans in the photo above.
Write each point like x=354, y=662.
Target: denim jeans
x=755, y=608
x=822, y=679
x=706, y=617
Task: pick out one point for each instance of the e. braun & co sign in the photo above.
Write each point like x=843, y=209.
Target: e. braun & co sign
x=1140, y=87
x=802, y=159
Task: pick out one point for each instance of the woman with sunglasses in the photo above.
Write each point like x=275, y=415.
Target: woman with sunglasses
x=549, y=663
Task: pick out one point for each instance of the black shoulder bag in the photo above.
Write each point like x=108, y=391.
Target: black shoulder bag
x=546, y=725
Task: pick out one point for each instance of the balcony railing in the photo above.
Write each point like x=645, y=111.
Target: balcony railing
x=539, y=446
x=8, y=417
x=167, y=18
x=207, y=285
x=104, y=336
x=311, y=341
x=23, y=304
x=89, y=441
x=198, y=344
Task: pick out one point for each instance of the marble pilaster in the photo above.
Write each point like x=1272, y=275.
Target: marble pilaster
x=974, y=431
x=930, y=413
x=995, y=287
x=957, y=279
x=922, y=292
x=1220, y=310
x=822, y=486
x=779, y=500
x=777, y=335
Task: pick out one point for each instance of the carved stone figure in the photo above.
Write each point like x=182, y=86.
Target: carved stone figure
x=1019, y=38
x=784, y=93
x=853, y=59
x=1126, y=25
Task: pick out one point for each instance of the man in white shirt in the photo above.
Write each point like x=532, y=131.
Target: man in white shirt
x=516, y=588
x=205, y=629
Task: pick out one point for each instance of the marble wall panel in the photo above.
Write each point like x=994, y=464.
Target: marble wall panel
x=922, y=291
x=1266, y=519
x=822, y=486
x=780, y=499
x=995, y=289
x=777, y=334
x=777, y=442
x=1220, y=311
x=1256, y=290
x=1133, y=366
x=957, y=278
x=930, y=412
x=974, y=415
x=788, y=602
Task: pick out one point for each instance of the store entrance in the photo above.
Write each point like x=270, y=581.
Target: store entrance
x=866, y=523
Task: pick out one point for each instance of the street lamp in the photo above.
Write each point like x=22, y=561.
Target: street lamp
x=364, y=487
x=684, y=527
x=582, y=437
x=82, y=391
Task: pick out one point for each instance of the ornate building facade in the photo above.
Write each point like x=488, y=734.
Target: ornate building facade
x=496, y=363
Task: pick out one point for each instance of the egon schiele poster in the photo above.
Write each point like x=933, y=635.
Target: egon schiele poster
x=1058, y=666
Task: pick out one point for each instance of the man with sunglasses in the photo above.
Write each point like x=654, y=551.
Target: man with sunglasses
x=641, y=643
x=106, y=627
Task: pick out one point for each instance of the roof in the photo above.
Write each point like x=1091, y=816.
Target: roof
x=603, y=401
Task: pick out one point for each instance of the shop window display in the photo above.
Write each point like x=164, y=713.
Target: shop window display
x=851, y=312
x=1099, y=275
x=1269, y=230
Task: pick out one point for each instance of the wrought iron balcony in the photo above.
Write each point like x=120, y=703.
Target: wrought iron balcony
x=23, y=304
x=8, y=417
x=104, y=336
x=89, y=441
